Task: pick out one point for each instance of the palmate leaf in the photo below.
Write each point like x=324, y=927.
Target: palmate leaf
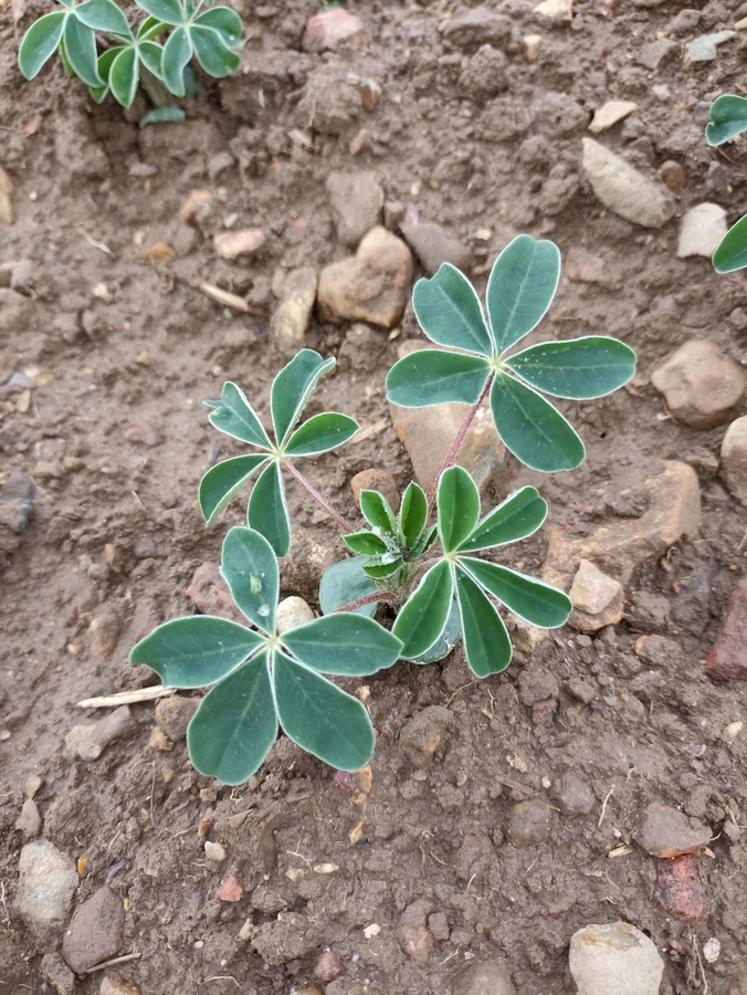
x=579, y=369
x=731, y=254
x=450, y=313
x=728, y=118
x=521, y=287
x=432, y=376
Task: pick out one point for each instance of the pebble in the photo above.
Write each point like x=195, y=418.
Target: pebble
x=332, y=29
x=573, y=794
x=712, y=950
x=700, y=384
x=530, y=47
x=372, y=286
x=413, y=934
x=16, y=502
x=96, y=931
x=88, y=742
x=727, y=660
x=679, y=889
x=111, y=985
x=665, y=831
x=614, y=958
x=46, y=882
x=555, y=10
x=478, y=26
x=606, y=116
x=624, y=189
x=701, y=231
x=29, y=820
x=704, y=48
x=489, y=977
x=173, y=715
x=55, y=971
x=423, y=734
x=673, y=176
x=215, y=851
x=292, y=612
x=244, y=242
x=290, y=321
x=7, y=199
x=143, y=433
x=529, y=823
x=375, y=479
x=734, y=458
x=484, y=75
x=356, y=200
x=597, y=598
x=329, y=966
x=657, y=53
x=229, y=890
x=658, y=651
x=433, y=246
x=104, y=631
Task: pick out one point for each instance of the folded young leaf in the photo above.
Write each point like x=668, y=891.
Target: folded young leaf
x=377, y=511
x=423, y=617
x=293, y=385
x=533, y=600
x=223, y=480
x=731, y=254
x=518, y=517
x=413, y=513
x=235, y=726
x=728, y=119
x=582, y=368
x=233, y=414
x=343, y=582
x=195, y=651
x=321, y=433
x=267, y=511
x=346, y=645
x=532, y=429
x=249, y=567
x=212, y=53
x=458, y=502
x=486, y=643
x=321, y=718
x=521, y=287
x=432, y=376
x=40, y=43
x=450, y=313
x=365, y=543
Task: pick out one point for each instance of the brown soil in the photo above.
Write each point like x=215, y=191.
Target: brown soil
x=115, y=528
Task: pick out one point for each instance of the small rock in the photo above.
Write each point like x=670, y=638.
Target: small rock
x=158, y=740
x=54, y=970
x=245, y=242
x=356, y=200
x=529, y=823
x=490, y=977
x=701, y=385
x=597, y=598
x=712, y=950
x=196, y=205
x=118, y=986
x=375, y=479
x=29, y=821
x=230, y=890
x=95, y=932
x=734, y=458
x=478, y=26
x=673, y=176
x=47, y=880
x=679, y=889
x=658, y=651
x=422, y=735
x=16, y=501
x=89, y=741
x=610, y=113
x=657, y=53
x=530, y=47
x=702, y=229
x=666, y=832
x=623, y=189
x=292, y=612
x=573, y=794
x=105, y=630
x=290, y=321
x=215, y=852
x=433, y=245
x=704, y=48
x=290, y=936
x=484, y=75
x=371, y=286
x=727, y=661
x=614, y=957
x=7, y=199
x=332, y=29
x=329, y=966
x=31, y=785
x=413, y=934
x=555, y=10
x=173, y=715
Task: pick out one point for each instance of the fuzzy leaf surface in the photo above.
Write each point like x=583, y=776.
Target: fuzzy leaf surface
x=521, y=287
x=728, y=118
x=486, y=642
x=346, y=581
x=731, y=253
x=321, y=433
x=40, y=43
x=212, y=53
x=233, y=414
x=449, y=311
x=458, y=502
x=250, y=568
x=533, y=600
x=104, y=15
x=345, y=644
x=293, y=385
x=223, y=480
x=579, y=369
x=413, y=513
x=432, y=376
x=80, y=49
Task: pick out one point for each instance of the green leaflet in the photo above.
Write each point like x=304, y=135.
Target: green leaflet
x=293, y=385
x=103, y=15
x=486, y=642
x=432, y=376
x=151, y=56
x=413, y=513
x=40, y=43
x=124, y=76
x=521, y=287
x=532, y=429
x=377, y=511
x=194, y=651
x=458, y=503
x=235, y=726
x=226, y=22
x=533, y=600
x=80, y=49
x=212, y=54
x=449, y=311
x=321, y=433
x=347, y=645
x=728, y=118
x=176, y=54
x=423, y=617
x=583, y=368
x=223, y=480
x=365, y=543
x=518, y=517
x=267, y=511
x=320, y=718
x=343, y=582
x=731, y=254
x=168, y=11
x=233, y=414
x=249, y=567
x=446, y=641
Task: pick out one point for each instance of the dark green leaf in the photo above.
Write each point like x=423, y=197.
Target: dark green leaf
x=40, y=43
x=366, y=543
x=449, y=311
x=519, y=516
x=424, y=615
x=533, y=600
x=458, y=503
x=235, y=416
x=235, y=726
x=151, y=56
x=731, y=254
x=320, y=433
x=176, y=54
x=293, y=385
x=426, y=540
x=413, y=513
x=249, y=567
x=170, y=114
x=68, y=69
x=381, y=570
x=577, y=368
x=168, y=11
x=320, y=718
x=103, y=15
x=728, y=119
x=521, y=287
x=215, y=58
x=195, y=651
x=532, y=429
x=344, y=582
x=223, y=480
x=446, y=641
x=346, y=644
x=486, y=642
x=152, y=28
x=80, y=48
x=267, y=511
x=431, y=376
x=377, y=511
x=98, y=93
x=225, y=21
x=124, y=77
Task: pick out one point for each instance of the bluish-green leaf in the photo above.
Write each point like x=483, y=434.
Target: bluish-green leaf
x=80, y=48
x=487, y=646
x=195, y=651
x=152, y=27
x=447, y=640
x=235, y=416
x=124, y=76
x=423, y=617
x=533, y=600
x=345, y=644
x=521, y=287
x=98, y=93
x=235, y=726
x=532, y=429
x=320, y=433
x=224, y=21
x=176, y=54
x=377, y=511
x=432, y=376
x=365, y=543
x=151, y=56
x=449, y=311
x=344, y=582
x=388, y=566
x=168, y=11
x=40, y=43
x=103, y=15
x=728, y=119
x=458, y=503
x=250, y=568
x=215, y=58
x=731, y=254
x=519, y=516
x=267, y=511
x=413, y=513
x=171, y=114
x=320, y=718
x=223, y=480
x=576, y=368
x=293, y=385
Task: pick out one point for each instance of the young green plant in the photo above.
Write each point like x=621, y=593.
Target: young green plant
x=728, y=119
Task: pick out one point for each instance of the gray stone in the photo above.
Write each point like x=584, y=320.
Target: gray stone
x=16, y=501
x=734, y=458
x=46, y=882
x=664, y=831
x=96, y=931
x=700, y=384
x=490, y=977
x=356, y=200
x=704, y=48
x=89, y=741
x=433, y=246
x=657, y=53
x=173, y=715
x=614, y=959
x=702, y=228
x=29, y=820
x=623, y=189
x=529, y=823
x=573, y=794
x=290, y=321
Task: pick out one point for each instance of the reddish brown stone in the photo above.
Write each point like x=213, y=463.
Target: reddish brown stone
x=95, y=932
x=679, y=889
x=727, y=661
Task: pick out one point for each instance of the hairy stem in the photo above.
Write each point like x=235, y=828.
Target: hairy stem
x=367, y=599
x=344, y=526
x=456, y=445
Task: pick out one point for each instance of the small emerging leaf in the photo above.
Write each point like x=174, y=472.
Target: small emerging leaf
x=321, y=433
x=731, y=254
x=267, y=511
x=423, y=618
x=365, y=543
x=40, y=43
x=249, y=567
x=293, y=385
x=458, y=502
x=376, y=510
x=533, y=600
x=584, y=368
x=728, y=119
x=432, y=376
x=413, y=513
x=521, y=287
x=449, y=311
x=518, y=517
x=486, y=642
x=346, y=644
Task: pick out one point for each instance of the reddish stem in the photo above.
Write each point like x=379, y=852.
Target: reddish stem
x=456, y=445
x=366, y=599
x=344, y=526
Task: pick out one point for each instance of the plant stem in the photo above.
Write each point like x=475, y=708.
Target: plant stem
x=366, y=599
x=456, y=445
x=344, y=526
